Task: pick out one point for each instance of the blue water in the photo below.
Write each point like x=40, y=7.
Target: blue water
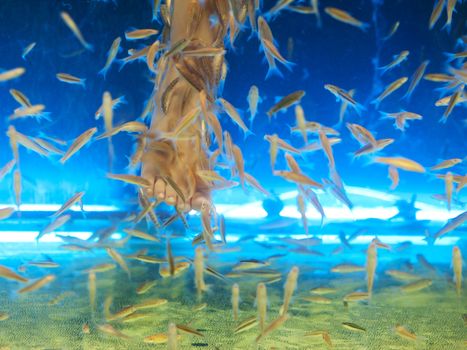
x=330, y=52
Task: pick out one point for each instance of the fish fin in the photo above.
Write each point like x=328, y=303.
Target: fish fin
x=274, y=71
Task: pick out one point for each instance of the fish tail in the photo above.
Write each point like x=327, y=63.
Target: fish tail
x=104, y=71
x=364, y=27
x=274, y=71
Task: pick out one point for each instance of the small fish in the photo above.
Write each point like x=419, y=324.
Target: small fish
x=347, y=268
x=199, y=271
x=233, y=114
x=27, y=50
x=140, y=34
x=37, y=284
x=289, y=288
x=5, y=213
x=101, y=268
x=11, y=74
x=401, y=163
x=71, y=79
x=273, y=326
x=397, y=60
x=436, y=13
x=189, y=330
x=141, y=234
x=416, y=77
x=417, y=285
x=110, y=330
x=356, y=296
x=113, y=51
x=394, y=176
x=77, y=197
x=253, y=100
x=78, y=143
x=455, y=97
x=345, y=17
x=353, y=327
x=4, y=316
x=403, y=332
x=318, y=299
x=246, y=324
x=118, y=259
x=323, y=290
x=286, y=102
x=396, y=84
x=452, y=225
x=145, y=287
x=48, y=264
x=392, y=31
x=92, y=290
x=74, y=28
x=54, y=225
x=235, y=300
x=401, y=275
x=150, y=303
x=131, y=179
x=371, y=262
x=7, y=273
x=457, y=268
x=262, y=305
x=20, y=98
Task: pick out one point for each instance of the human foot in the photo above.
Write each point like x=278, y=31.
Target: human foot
x=171, y=168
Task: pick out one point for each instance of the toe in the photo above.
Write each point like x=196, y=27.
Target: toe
x=170, y=195
x=200, y=202
x=159, y=189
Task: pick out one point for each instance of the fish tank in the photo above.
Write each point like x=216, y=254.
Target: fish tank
x=233, y=174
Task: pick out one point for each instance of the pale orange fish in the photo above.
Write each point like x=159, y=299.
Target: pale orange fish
x=396, y=84
x=20, y=98
x=345, y=17
x=446, y=164
x=5, y=213
x=233, y=114
x=286, y=102
x=77, y=197
x=416, y=77
x=326, y=146
x=253, y=100
x=457, y=268
x=300, y=122
x=448, y=186
x=401, y=163
x=115, y=103
x=140, y=34
x=393, y=30
x=17, y=188
x=78, y=143
x=74, y=28
x=403, y=332
x=7, y=273
x=113, y=51
x=452, y=103
x=151, y=55
x=436, y=13
x=302, y=210
x=12, y=74
x=71, y=79
x=27, y=50
x=394, y=176
x=398, y=59
x=443, y=102
x=54, y=225
x=371, y=262
x=37, y=284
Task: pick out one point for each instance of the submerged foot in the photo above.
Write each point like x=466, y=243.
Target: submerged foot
x=172, y=174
